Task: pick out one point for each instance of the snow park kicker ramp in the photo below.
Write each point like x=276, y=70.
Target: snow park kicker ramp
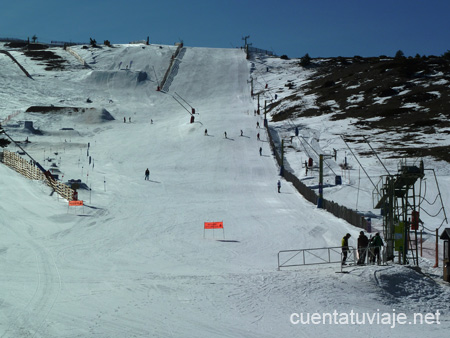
x=153, y=60
x=132, y=71
x=120, y=80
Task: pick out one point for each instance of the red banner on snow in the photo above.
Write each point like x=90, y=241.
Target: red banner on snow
x=213, y=225
x=75, y=203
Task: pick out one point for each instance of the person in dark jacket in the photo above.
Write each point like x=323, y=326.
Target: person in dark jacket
x=345, y=248
x=377, y=243
x=363, y=244
x=147, y=174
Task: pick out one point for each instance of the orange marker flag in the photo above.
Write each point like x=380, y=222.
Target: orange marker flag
x=213, y=225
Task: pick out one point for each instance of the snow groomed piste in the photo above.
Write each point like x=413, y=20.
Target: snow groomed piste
x=135, y=262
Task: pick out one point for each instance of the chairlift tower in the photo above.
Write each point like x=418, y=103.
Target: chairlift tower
x=395, y=195
x=246, y=44
x=321, y=160
x=245, y=40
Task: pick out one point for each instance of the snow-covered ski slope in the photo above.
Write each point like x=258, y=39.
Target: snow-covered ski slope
x=135, y=261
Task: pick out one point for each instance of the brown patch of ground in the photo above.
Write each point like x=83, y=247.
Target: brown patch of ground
x=408, y=96
x=51, y=60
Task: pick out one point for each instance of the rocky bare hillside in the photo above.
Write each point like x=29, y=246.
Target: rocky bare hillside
x=407, y=97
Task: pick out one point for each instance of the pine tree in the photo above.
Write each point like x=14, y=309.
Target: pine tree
x=305, y=60
x=399, y=55
x=446, y=55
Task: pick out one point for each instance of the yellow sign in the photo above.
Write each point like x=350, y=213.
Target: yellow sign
x=399, y=239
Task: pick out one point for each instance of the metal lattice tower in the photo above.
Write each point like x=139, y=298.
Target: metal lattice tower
x=395, y=195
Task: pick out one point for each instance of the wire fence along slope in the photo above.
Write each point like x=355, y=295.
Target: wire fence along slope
x=337, y=210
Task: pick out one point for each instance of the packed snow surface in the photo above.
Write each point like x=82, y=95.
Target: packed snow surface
x=135, y=260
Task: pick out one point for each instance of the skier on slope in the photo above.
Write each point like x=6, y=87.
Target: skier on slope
x=147, y=174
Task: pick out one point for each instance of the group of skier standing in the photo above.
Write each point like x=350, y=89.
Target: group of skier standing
x=366, y=246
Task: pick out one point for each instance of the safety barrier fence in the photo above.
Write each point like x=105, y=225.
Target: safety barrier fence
x=67, y=43
x=173, y=71
x=330, y=255
x=11, y=116
x=337, y=210
x=52, y=43
x=11, y=40
x=77, y=56
x=172, y=61
x=30, y=171
x=301, y=257
x=260, y=51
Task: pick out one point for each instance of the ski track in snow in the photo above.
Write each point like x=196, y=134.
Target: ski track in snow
x=31, y=320
x=133, y=262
